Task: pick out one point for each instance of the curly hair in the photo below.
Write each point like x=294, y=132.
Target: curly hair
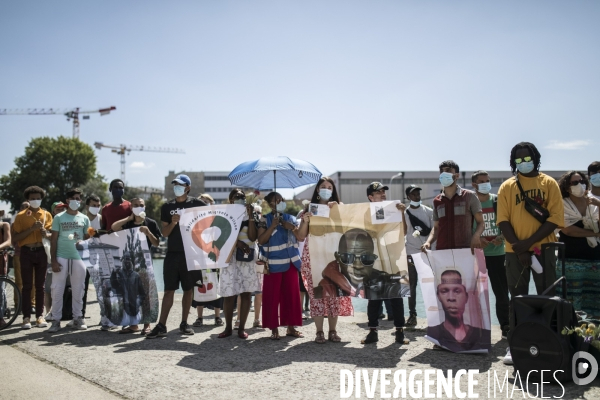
x=334, y=195
x=564, y=183
x=34, y=190
x=533, y=151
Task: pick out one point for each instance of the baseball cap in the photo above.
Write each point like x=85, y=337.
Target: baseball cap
x=182, y=179
x=374, y=187
x=411, y=188
x=57, y=204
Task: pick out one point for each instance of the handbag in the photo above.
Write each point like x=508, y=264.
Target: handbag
x=208, y=288
x=532, y=207
x=241, y=256
x=416, y=222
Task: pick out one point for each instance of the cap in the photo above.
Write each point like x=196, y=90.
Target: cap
x=375, y=186
x=57, y=204
x=182, y=179
x=410, y=189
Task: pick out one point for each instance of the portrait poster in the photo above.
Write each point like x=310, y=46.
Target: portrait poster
x=454, y=284
x=120, y=267
x=352, y=256
x=210, y=233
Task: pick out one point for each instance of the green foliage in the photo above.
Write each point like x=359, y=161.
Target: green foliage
x=96, y=186
x=153, y=205
x=131, y=193
x=54, y=164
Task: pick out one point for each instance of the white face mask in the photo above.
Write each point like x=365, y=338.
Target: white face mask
x=35, y=203
x=415, y=203
x=179, y=190
x=578, y=190
x=281, y=207
x=74, y=204
x=94, y=210
x=138, y=210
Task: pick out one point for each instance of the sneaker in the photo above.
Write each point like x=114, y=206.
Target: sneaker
x=71, y=324
x=198, y=322
x=372, y=337
x=55, y=327
x=79, y=323
x=412, y=321
x=49, y=317
x=26, y=323
x=400, y=336
x=507, y=360
x=256, y=324
x=40, y=322
x=306, y=314
x=185, y=329
x=159, y=330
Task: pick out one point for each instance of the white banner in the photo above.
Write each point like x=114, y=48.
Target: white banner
x=454, y=284
x=209, y=234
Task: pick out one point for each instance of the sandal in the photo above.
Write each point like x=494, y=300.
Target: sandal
x=275, y=336
x=320, y=338
x=237, y=323
x=333, y=337
x=224, y=334
x=128, y=330
x=218, y=321
x=242, y=335
x=294, y=333
x=145, y=331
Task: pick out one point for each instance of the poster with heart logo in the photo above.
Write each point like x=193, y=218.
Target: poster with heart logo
x=209, y=234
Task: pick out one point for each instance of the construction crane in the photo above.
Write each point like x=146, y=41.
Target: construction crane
x=122, y=149
x=72, y=114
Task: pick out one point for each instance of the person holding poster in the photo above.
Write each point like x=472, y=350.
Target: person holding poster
x=331, y=306
x=240, y=278
x=175, y=270
x=279, y=234
x=117, y=209
x=453, y=213
x=375, y=194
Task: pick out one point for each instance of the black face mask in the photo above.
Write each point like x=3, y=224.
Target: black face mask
x=118, y=193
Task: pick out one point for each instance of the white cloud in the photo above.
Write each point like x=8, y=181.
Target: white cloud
x=572, y=145
x=140, y=165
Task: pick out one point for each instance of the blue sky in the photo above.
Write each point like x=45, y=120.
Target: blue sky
x=347, y=85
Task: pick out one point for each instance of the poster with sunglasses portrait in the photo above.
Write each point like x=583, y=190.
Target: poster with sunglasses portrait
x=352, y=256
x=454, y=284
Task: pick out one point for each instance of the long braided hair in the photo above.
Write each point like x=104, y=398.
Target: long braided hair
x=535, y=156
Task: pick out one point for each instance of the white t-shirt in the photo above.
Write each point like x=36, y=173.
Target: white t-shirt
x=413, y=244
x=95, y=223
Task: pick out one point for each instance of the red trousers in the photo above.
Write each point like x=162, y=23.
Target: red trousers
x=281, y=299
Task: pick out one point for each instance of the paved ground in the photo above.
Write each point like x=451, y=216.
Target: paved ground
x=106, y=365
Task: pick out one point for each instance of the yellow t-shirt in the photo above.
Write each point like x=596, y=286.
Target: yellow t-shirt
x=25, y=220
x=511, y=207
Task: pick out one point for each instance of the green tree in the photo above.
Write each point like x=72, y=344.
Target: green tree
x=131, y=192
x=54, y=164
x=153, y=205
x=96, y=186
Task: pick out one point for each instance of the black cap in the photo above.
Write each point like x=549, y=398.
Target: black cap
x=411, y=188
x=374, y=187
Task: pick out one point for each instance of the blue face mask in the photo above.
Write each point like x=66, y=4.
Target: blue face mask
x=595, y=179
x=484, y=188
x=281, y=207
x=415, y=203
x=179, y=190
x=525, y=167
x=325, y=194
x=446, y=179
x=240, y=201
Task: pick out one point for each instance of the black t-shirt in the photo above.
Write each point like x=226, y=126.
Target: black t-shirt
x=175, y=243
x=152, y=227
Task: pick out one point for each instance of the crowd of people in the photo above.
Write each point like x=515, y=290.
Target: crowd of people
x=501, y=224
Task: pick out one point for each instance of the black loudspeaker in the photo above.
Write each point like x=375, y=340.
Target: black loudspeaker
x=535, y=338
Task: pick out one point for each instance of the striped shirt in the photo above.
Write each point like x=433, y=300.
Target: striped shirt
x=282, y=247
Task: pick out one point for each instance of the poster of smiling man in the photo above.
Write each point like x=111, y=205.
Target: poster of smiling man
x=209, y=234
x=454, y=284
x=120, y=267
x=354, y=252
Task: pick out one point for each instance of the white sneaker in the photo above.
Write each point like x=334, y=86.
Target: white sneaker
x=41, y=322
x=26, y=323
x=306, y=315
x=55, y=327
x=507, y=358
x=78, y=323
x=49, y=317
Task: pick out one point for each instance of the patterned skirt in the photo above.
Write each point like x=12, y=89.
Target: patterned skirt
x=583, y=285
x=238, y=277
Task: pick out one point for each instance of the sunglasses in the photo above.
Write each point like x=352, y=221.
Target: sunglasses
x=520, y=160
x=239, y=196
x=367, y=259
x=575, y=183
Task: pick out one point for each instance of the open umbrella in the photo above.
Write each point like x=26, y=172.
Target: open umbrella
x=268, y=172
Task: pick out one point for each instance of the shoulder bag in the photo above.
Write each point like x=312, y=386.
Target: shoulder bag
x=537, y=211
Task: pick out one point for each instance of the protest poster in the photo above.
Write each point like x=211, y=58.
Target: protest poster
x=120, y=267
x=351, y=255
x=209, y=234
x=454, y=284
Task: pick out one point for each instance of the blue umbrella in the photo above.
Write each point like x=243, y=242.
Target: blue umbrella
x=266, y=171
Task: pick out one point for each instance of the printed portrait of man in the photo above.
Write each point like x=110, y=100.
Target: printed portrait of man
x=128, y=284
x=453, y=333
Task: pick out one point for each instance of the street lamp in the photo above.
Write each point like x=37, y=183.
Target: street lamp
x=398, y=175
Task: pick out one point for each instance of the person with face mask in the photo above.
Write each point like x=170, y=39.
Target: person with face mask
x=522, y=232
x=278, y=234
x=594, y=178
x=92, y=210
x=117, y=209
x=68, y=228
x=31, y=226
x=327, y=306
x=581, y=236
x=454, y=211
x=492, y=243
x=175, y=269
x=417, y=218
x=128, y=285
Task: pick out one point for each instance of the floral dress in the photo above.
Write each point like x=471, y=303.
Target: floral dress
x=330, y=306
